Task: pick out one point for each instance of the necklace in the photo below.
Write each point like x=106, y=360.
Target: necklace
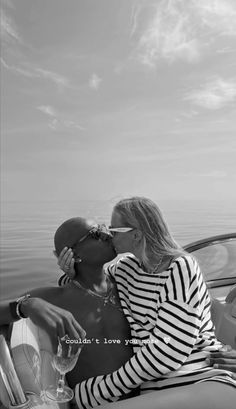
x=108, y=298
x=156, y=267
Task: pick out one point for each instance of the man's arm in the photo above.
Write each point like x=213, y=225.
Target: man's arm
x=5, y=313
x=56, y=321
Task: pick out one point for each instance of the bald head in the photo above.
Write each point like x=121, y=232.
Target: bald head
x=70, y=232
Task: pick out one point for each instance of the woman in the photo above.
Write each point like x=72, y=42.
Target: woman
x=166, y=302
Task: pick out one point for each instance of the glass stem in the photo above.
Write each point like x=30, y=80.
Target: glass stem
x=61, y=383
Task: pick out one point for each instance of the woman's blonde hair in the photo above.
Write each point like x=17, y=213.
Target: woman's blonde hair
x=143, y=214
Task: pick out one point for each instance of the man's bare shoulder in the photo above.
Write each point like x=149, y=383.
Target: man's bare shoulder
x=47, y=293
x=63, y=297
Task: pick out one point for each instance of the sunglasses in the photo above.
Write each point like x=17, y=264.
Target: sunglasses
x=102, y=232
x=98, y=232
x=114, y=230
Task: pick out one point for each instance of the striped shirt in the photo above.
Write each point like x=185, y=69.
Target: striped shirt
x=171, y=328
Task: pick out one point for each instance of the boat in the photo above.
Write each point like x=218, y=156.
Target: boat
x=216, y=256
x=31, y=348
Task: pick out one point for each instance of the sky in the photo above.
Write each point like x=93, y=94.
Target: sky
x=112, y=98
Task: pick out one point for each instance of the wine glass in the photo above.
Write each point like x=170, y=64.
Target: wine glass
x=64, y=361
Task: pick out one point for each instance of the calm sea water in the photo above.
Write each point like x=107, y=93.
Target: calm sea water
x=27, y=231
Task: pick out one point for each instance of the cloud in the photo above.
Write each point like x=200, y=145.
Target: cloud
x=33, y=72
x=58, y=79
x=18, y=70
x=71, y=124
x=168, y=35
x=9, y=31
x=214, y=95
x=47, y=109
x=225, y=50
x=56, y=123
x=180, y=30
x=218, y=15
x=135, y=12
x=11, y=38
x=94, y=82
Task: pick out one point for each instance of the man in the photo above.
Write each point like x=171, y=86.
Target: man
x=92, y=300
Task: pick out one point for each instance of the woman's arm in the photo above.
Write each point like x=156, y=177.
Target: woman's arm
x=166, y=352
x=169, y=345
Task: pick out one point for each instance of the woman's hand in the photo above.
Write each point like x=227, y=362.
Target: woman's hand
x=56, y=321
x=66, y=262
x=225, y=358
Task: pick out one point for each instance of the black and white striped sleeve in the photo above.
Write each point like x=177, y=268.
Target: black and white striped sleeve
x=169, y=344
x=63, y=280
x=110, y=270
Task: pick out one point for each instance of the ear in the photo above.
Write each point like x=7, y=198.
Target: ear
x=138, y=235
x=55, y=253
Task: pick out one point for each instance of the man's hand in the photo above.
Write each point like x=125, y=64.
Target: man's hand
x=224, y=359
x=56, y=321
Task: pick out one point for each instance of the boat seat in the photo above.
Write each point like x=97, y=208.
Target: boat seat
x=231, y=295
x=224, y=318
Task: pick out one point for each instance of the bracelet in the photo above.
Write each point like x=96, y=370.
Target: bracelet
x=15, y=307
x=19, y=301
x=12, y=307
